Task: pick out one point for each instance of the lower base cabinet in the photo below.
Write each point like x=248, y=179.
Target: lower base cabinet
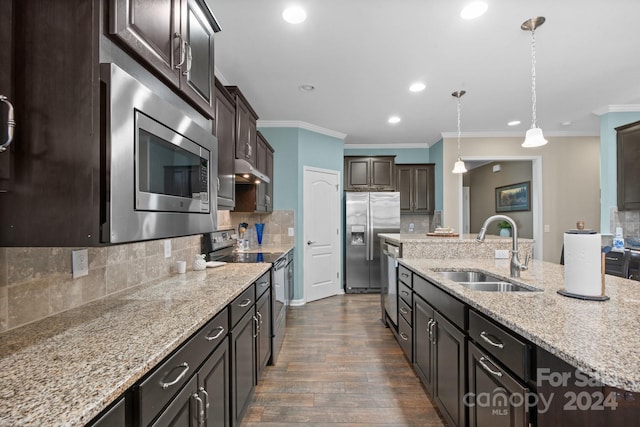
x=183, y=411
x=243, y=365
x=213, y=383
x=423, y=343
x=495, y=398
x=263, y=312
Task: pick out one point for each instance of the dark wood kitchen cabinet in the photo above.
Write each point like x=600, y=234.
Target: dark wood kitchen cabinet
x=628, y=158
x=369, y=173
x=415, y=182
x=252, y=197
x=423, y=344
x=263, y=340
x=6, y=89
x=175, y=38
x=225, y=131
x=246, y=127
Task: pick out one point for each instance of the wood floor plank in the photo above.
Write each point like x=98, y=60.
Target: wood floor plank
x=339, y=366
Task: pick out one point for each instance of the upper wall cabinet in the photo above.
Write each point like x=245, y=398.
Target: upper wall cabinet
x=369, y=173
x=246, y=127
x=628, y=172
x=175, y=37
x=225, y=130
x=415, y=183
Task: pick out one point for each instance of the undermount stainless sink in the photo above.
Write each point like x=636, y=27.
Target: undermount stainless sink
x=481, y=281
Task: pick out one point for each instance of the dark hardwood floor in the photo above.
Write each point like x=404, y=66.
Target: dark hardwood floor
x=340, y=366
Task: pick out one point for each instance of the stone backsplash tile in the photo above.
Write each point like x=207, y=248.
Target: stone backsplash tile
x=37, y=282
x=277, y=224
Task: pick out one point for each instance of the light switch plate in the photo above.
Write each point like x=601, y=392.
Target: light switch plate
x=167, y=248
x=79, y=263
x=502, y=253
x=290, y=231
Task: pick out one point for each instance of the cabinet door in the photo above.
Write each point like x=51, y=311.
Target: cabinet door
x=423, y=189
x=261, y=193
x=269, y=189
x=6, y=78
x=450, y=371
x=628, y=154
x=196, y=71
x=356, y=173
x=382, y=174
x=404, y=184
x=243, y=365
x=213, y=387
x=151, y=29
x=261, y=153
x=496, y=399
x=183, y=409
x=246, y=133
x=265, y=330
x=225, y=131
x=423, y=342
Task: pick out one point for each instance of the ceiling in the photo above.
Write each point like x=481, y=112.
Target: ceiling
x=362, y=55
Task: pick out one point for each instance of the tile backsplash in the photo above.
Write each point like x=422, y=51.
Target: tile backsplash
x=422, y=224
x=36, y=282
x=628, y=220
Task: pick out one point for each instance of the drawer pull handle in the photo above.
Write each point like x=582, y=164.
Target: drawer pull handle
x=404, y=336
x=405, y=293
x=485, y=336
x=485, y=366
x=245, y=303
x=220, y=330
x=185, y=367
x=263, y=284
x=403, y=310
x=404, y=274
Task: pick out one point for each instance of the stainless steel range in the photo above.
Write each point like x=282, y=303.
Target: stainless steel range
x=221, y=246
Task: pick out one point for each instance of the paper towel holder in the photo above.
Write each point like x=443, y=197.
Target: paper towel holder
x=586, y=297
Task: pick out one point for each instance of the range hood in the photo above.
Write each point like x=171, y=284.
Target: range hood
x=246, y=173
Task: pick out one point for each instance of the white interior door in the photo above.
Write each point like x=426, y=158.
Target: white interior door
x=321, y=233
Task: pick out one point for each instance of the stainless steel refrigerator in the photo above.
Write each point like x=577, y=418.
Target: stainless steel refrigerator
x=367, y=215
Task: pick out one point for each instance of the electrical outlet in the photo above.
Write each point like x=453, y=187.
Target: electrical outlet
x=79, y=263
x=502, y=253
x=547, y=229
x=167, y=248
x=290, y=231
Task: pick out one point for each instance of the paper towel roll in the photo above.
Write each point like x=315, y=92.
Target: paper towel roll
x=582, y=264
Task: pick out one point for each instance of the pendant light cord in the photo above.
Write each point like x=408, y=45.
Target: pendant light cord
x=534, y=123
x=459, y=109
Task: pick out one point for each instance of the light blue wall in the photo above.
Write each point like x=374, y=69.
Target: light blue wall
x=403, y=155
x=608, y=168
x=294, y=149
x=436, y=153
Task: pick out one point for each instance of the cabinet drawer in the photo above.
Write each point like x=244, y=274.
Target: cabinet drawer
x=404, y=275
x=242, y=304
x=450, y=307
x=405, y=338
x=262, y=284
x=405, y=311
x=405, y=294
x=213, y=333
x=500, y=343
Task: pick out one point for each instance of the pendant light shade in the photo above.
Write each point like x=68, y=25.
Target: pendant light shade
x=458, y=166
x=534, y=137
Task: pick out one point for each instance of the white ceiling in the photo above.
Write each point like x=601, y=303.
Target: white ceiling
x=362, y=55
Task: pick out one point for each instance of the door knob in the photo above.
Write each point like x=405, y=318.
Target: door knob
x=309, y=242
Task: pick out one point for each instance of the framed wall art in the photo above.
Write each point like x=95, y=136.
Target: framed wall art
x=514, y=197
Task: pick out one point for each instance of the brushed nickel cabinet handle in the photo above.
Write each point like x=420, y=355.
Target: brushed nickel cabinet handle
x=189, y=59
x=405, y=293
x=404, y=336
x=199, y=408
x=182, y=50
x=485, y=336
x=257, y=326
x=485, y=366
x=403, y=310
x=220, y=330
x=11, y=124
x=206, y=403
x=185, y=369
x=245, y=303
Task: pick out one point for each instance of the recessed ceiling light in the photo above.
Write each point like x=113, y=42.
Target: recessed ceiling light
x=513, y=123
x=306, y=88
x=417, y=87
x=394, y=119
x=566, y=123
x=474, y=10
x=294, y=15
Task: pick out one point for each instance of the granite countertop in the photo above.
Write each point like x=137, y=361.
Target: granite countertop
x=599, y=338
x=422, y=237
x=63, y=370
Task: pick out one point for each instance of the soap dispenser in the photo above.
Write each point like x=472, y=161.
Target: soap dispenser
x=618, y=240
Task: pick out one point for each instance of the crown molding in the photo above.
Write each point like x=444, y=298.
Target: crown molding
x=220, y=76
x=385, y=146
x=629, y=108
x=513, y=134
x=300, y=125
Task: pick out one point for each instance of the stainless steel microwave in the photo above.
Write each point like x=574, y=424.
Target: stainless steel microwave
x=159, y=165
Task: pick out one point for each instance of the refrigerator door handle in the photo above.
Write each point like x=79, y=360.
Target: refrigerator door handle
x=368, y=234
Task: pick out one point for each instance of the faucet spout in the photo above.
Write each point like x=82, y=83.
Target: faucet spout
x=515, y=266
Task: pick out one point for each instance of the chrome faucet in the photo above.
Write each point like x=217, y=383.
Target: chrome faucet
x=515, y=265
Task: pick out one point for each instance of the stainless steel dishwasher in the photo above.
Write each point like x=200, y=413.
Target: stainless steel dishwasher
x=389, y=283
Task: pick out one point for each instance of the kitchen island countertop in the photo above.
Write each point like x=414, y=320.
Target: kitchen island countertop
x=599, y=338
x=65, y=369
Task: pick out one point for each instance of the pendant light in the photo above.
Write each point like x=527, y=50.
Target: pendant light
x=534, y=137
x=458, y=166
